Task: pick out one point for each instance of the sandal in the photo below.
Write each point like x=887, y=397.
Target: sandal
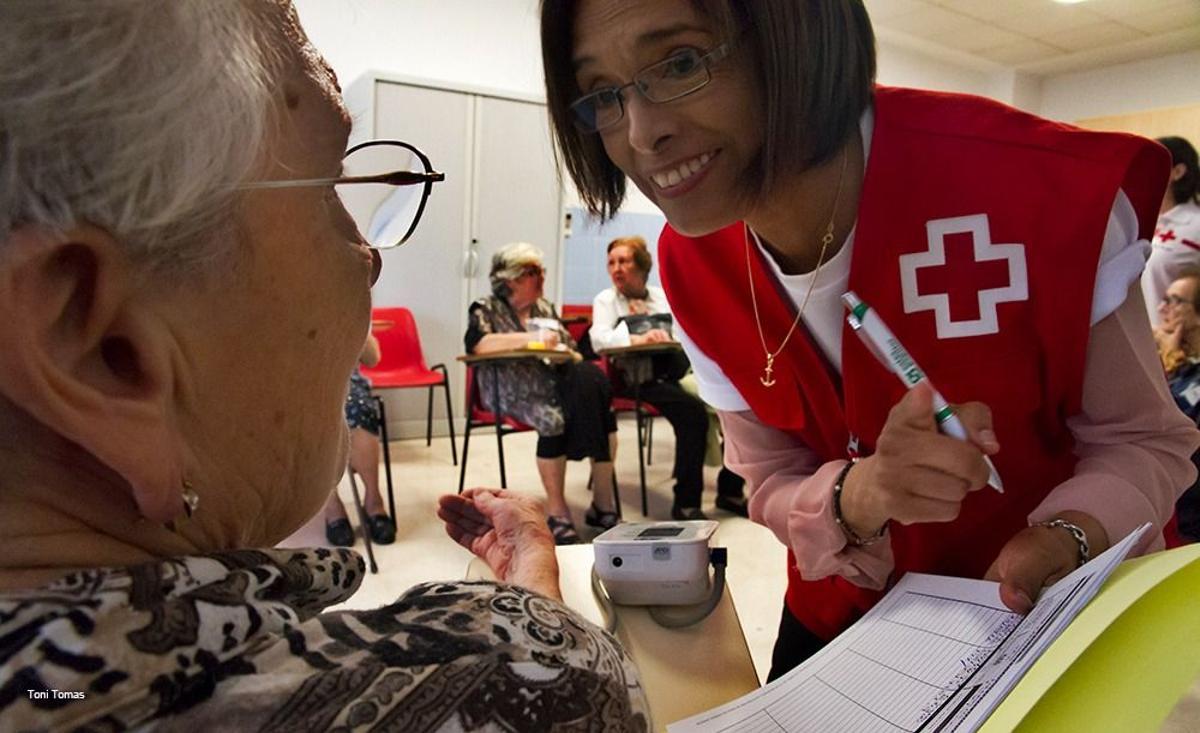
x=563, y=530
x=339, y=533
x=597, y=517
x=383, y=529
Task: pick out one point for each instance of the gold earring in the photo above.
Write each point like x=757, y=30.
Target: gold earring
x=190, y=499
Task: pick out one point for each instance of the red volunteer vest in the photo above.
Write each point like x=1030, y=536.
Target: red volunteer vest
x=978, y=239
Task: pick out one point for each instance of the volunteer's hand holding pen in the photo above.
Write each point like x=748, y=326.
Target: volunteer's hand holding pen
x=917, y=473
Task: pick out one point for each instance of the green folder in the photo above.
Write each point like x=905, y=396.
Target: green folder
x=1126, y=659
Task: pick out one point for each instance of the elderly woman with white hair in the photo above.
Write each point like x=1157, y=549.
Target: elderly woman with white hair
x=569, y=405
x=184, y=298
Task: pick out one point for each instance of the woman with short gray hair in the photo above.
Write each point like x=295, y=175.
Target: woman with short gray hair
x=185, y=296
x=570, y=405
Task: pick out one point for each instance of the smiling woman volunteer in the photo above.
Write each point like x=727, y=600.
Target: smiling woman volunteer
x=787, y=178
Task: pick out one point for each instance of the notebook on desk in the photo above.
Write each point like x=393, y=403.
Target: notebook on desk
x=936, y=653
x=643, y=322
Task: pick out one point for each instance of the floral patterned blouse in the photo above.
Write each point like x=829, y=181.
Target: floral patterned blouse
x=238, y=641
x=528, y=389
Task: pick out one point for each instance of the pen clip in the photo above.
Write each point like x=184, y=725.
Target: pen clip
x=856, y=325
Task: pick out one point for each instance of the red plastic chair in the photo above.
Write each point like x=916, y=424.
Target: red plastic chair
x=577, y=319
x=480, y=417
x=643, y=412
x=402, y=365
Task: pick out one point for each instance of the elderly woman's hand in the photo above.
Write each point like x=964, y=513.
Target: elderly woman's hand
x=508, y=531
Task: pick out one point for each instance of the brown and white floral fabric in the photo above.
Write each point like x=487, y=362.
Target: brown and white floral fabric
x=528, y=389
x=238, y=641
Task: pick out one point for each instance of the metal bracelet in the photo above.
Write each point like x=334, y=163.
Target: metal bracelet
x=853, y=537
x=1080, y=537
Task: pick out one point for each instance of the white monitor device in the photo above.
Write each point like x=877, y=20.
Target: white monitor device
x=655, y=563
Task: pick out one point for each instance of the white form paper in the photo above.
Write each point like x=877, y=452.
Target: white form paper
x=935, y=654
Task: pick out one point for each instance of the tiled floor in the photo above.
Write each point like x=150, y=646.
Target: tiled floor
x=422, y=550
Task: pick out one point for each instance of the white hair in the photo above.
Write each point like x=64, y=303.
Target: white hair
x=509, y=261
x=136, y=116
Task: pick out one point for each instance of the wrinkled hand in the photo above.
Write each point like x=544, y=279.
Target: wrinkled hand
x=507, y=531
x=1036, y=557
x=917, y=474
x=551, y=339
x=653, y=336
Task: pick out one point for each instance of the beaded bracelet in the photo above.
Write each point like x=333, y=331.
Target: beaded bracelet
x=1080, y=537
x=851, y=535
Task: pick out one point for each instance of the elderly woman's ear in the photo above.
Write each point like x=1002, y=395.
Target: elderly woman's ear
x=87, y=358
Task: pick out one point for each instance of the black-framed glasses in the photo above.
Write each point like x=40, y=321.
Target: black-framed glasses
x=389, y=207
x=1171, y=300
x=678, y=75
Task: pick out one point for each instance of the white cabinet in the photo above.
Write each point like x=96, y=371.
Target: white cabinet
x=501, y=186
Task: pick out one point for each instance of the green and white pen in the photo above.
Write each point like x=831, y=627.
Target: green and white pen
x=880, y=341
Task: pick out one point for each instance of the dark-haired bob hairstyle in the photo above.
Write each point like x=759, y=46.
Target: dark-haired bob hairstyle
x=1186, y=188
x=815, y=60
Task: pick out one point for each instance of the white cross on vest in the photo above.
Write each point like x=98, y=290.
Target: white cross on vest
x=938, y=299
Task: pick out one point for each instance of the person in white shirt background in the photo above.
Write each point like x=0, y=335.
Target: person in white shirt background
x=1176, y=246
x=629, y=264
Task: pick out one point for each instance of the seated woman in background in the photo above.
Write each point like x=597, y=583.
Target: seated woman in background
x=1178, y=340
x=1176, y=244
x=570, y=405
x=177, y=341
x=629, y=265
x=362, y=417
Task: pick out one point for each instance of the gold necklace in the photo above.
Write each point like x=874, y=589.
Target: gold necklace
x=767, y=379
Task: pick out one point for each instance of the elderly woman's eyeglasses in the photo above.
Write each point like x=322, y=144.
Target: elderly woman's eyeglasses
x=676, y=76
x=387, y=209
x=1173, y=300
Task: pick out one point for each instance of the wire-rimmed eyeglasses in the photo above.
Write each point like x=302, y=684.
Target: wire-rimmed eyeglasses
x=678, y=75
x=387, y=212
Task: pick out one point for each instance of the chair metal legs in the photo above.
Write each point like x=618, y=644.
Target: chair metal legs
x=641, y=427
x=499, y=413
x=387, y=455
x=364, y=523
x=449, y=412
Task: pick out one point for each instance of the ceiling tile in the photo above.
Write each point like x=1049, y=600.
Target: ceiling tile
x=976, y=36
x=1038, y=18
x=1088, y=37
x=1120, y=9
x=881, y=9
x=1024, y=51
x=930, y=23
x=981, y=9
x=1166, y=19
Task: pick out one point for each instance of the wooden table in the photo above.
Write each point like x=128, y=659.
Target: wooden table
x=684, y=671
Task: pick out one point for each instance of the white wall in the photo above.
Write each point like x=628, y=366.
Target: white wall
x=1168, y=81
x=901, y=67
x=481, y=43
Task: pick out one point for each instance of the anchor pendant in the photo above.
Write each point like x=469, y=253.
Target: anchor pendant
x=766, y=379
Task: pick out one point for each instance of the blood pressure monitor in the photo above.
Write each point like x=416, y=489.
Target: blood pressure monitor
x=655, y=563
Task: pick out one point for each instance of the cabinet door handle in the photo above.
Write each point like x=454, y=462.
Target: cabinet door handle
x=471, y=261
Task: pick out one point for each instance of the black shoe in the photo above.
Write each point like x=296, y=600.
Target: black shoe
x=596, y=517
x=734, y=505
x=563, y=531
x=339, y=533
x=729, y=483
x=687, y=513
x=383, y=529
